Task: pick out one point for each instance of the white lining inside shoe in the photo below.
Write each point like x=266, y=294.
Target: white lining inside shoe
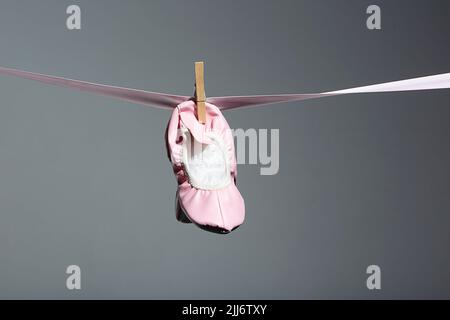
x=206, y=165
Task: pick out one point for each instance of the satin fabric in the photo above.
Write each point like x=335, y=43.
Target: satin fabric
x=169, y=101
x=219, y=210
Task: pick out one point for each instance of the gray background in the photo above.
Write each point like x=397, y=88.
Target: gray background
x=363, y=179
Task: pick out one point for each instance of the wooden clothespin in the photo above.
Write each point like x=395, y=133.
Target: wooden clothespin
x=200, y=96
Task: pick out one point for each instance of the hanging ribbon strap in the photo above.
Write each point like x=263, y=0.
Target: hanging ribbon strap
x=440, y=81
x=168, y=101
x=156, y=99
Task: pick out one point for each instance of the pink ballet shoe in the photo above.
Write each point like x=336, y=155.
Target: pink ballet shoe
x=204, y=164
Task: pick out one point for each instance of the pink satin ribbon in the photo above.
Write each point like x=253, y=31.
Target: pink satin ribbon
x=169, y=101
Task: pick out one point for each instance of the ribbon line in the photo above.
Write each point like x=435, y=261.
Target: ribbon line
x=169, y=101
